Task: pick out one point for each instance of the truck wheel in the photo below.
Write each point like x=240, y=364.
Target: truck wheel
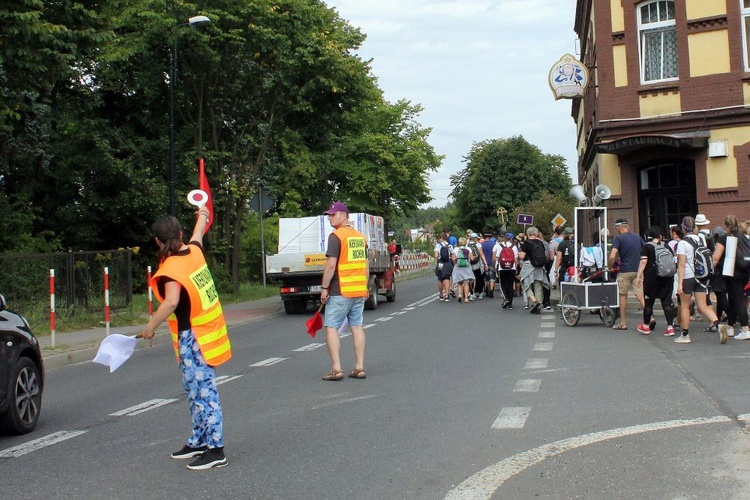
x=297, y=306
x=372, y=300
x=390, y=296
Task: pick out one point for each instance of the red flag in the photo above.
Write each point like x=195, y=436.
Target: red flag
x=203, y=185
x=315, y=323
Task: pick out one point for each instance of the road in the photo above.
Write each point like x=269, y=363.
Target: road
x=460, y=401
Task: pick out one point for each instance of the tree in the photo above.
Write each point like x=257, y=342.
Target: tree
x=505, y=174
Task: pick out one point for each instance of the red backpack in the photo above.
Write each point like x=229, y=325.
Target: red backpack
x=507, y=257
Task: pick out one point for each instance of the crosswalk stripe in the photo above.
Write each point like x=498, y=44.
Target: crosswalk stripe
x=548, y=324
x=543, y=346
x=309, y=347
x=512, y=418
x=143, y=407
x=226, y=378
x=528, y=385
x=546, y=335
x=268, y=362
x=536, y=364
x=49, y=440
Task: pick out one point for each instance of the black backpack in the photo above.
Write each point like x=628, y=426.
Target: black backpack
x=445, y=253
x=742, y=259
x=538, y=257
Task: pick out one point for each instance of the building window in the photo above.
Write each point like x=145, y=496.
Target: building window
x=657, y=37
x=745, y=8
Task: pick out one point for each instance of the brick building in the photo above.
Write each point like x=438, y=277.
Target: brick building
x=665, y=120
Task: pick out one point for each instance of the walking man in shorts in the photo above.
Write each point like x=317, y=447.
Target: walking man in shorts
x=627, y=246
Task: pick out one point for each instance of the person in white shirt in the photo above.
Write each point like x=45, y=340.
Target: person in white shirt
x=687, y=284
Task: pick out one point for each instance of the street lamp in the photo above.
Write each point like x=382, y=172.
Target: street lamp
x=193, y=21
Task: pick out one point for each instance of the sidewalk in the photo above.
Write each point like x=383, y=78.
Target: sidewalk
x=79, y=346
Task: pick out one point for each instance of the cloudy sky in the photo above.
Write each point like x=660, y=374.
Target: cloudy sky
x=478, y=67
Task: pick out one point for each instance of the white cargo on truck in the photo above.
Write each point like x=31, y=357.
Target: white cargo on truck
x=298, y=265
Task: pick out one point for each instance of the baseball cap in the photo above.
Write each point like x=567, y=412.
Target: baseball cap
x=509, y=236
x=473, y=235
x=336, y=207
x=568, y=230
x=622, y=221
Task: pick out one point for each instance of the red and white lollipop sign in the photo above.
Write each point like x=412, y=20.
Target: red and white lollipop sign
x=197, y=197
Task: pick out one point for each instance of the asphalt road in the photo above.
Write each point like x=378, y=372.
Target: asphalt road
x=460, y=401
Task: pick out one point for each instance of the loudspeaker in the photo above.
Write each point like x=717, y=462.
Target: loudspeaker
x=602, y=193
x=576, y=192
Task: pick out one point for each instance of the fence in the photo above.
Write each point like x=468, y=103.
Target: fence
x=411, y=262
x=79, y=280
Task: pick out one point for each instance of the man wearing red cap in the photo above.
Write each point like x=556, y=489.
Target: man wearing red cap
x=344, y=289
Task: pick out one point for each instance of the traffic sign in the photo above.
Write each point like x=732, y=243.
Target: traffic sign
x=559, y=220
x=525, y=219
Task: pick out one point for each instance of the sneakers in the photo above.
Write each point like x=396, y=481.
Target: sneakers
x=536, y=308
x=730, y=331
x=645, y=329
x=547, y=307
x=505, y=304
x=481, y=296
x=743, y=335
x=472, y=297
x=510, y=307
x=652, y=324
x=525, y=306
x=188, y=452
x=723, y=337
x=669, y=332
x=213, y=457
x=682, y=339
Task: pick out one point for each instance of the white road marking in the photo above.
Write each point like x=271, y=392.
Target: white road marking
x=409, y=308
x=28, y=447
x=143, y=407
x=268, y=362
x=528, y=385
x=744, y=417
x=511, y=418
x=226, y=378
x=543, y=346
x=344, y=335
x=546, y=335
x=347, y=400
x=424, y=300
x=365, y=327
x=485, y=483
x=433, y=299
x=309, y=347
x=385, y=318
x=398, y=313
x=548, y=324
x=536, y=364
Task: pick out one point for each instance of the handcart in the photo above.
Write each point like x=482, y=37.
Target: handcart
x=593, y=293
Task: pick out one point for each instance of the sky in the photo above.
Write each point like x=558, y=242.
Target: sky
x=479, y=68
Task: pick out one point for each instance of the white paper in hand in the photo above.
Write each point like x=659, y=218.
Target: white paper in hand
x=115, y=350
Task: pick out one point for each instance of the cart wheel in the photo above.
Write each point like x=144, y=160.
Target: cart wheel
x=608, y=315
x=570, y=312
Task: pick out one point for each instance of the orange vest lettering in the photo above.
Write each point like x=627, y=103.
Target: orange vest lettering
x=206, y=316
x=352, y=263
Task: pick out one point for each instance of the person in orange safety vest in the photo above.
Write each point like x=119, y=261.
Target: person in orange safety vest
x=344, y=289
x=190, y=305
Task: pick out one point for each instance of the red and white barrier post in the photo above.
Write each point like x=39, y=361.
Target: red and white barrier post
x=52, y=306
x=106, y=298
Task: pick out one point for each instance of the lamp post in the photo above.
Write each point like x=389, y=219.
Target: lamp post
x=193, y=21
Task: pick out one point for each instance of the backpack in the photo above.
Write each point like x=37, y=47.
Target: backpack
x=445, y=253
x=566, y=249
x=742, y=258
x=474, y=253
x=507, y=257
x=463, y=257
x=664, y=263
x=703, y=260
x=538, y=257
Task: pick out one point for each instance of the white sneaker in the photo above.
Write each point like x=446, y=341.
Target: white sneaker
x=481, y=295
x=683, y=339
x=472, y=297
x=730, y=331
x=743, y=335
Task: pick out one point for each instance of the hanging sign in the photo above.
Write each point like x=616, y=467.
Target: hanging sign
x=568, y=78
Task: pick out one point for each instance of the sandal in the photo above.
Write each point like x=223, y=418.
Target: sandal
x=711, y=329
x=334, y=375
x=358, y=373
x=620, y=326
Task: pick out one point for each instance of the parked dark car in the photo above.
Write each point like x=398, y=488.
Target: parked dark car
x=21, y=374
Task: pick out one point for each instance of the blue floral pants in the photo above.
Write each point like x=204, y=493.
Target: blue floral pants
x=198, y=381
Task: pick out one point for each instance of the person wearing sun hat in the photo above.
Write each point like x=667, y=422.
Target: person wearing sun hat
x=704, y=232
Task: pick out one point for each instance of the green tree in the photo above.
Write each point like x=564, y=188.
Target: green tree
x=505, y=174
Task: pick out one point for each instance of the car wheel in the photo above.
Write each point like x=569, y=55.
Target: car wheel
x=26, y=398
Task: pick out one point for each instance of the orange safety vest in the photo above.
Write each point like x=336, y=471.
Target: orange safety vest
x=206, y=316
x=351, y=267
